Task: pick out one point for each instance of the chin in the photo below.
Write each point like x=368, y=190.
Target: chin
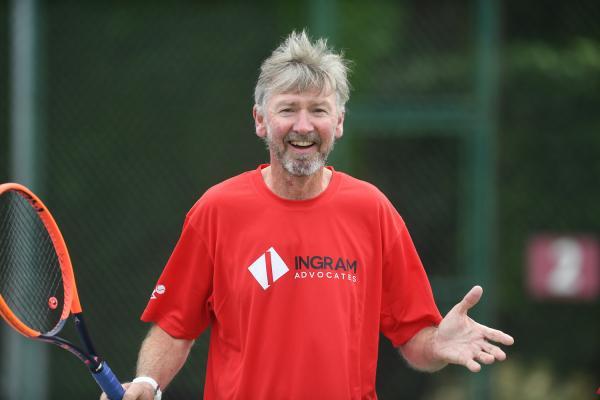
x=305, y=169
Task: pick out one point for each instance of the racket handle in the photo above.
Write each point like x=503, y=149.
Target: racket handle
x=108, y=382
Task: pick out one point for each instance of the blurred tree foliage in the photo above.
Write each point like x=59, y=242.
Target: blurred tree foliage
x=549, y=170
x=548, y=153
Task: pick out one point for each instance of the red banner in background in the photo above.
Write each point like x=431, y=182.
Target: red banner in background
x=563, y=267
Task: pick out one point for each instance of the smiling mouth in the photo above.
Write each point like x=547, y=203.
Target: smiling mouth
x=299, y=144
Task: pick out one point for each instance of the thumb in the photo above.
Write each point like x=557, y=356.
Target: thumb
x=470, y=299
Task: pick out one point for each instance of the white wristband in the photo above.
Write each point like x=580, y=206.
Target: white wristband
x=152, y=382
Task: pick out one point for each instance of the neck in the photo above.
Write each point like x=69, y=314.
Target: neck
x=292, y=187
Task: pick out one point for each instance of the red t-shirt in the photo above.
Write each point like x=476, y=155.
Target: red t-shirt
x=295, y=292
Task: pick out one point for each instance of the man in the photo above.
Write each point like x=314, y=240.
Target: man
x=297, y=267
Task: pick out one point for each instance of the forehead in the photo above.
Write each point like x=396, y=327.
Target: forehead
x=308, y=97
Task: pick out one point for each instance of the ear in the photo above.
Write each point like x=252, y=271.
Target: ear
x=259, y=121
x=339, y=127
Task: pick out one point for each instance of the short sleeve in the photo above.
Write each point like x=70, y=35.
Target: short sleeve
x=180, y=303
x=407, y=303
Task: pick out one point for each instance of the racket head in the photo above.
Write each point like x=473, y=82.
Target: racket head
x=37, y=285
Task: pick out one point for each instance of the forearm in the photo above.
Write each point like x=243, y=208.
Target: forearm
x=162, y=356
x=419, y=351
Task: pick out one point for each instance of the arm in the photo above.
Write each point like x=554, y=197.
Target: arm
x=418, y=351
x=161, y=357
x=457, y=340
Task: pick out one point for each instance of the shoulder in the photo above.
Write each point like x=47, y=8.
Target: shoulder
x=361, y=190
x=230, y=188
x=365, y=196
x=232, y=192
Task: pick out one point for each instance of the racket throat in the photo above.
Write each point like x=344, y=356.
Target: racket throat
x=84, y=334
x=91, y=360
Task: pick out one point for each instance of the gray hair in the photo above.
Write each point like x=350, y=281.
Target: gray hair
x=298, y=65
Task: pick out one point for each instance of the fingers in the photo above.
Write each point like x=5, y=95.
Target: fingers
x=139, y=391
x=486, y=358
x=488, y=355
x=473, y=366
x=485, y=353
x=498, y=336
x=134, y=392
x=495, y=351
x=483, y=357
x=470, y=299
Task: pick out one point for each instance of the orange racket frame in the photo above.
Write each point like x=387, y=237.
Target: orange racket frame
x=71, y=297
x=100, y=370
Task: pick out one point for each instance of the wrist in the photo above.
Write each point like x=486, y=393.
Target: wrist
x=151, y=382
x=436, y=355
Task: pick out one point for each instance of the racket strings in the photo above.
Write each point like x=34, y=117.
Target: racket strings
x=30, y=276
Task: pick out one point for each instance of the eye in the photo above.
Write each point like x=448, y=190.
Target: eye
x=320, y=111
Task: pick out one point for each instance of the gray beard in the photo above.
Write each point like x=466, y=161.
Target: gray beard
x=303, y=165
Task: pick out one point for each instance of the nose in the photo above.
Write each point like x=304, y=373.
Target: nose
x=303, y=124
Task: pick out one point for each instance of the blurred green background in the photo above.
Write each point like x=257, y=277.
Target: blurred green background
x=478, y=118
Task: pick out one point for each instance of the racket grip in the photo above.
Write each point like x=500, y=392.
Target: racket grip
x=108, y=382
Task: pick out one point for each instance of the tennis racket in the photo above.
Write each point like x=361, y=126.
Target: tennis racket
x=37, y=284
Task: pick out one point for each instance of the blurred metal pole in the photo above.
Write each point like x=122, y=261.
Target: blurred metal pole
x=24, y=362
x=481, y=221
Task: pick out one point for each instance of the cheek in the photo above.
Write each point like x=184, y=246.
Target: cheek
x=278, y=129
x=327, y=130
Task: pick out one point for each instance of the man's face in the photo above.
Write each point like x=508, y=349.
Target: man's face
x=300, y=130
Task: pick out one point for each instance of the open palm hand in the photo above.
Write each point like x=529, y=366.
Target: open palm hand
x=461, y=340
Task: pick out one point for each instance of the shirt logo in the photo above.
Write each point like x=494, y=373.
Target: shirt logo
x=268, y=268
x=159, y=289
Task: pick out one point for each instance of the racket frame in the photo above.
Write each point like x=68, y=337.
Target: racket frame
x=72, y=306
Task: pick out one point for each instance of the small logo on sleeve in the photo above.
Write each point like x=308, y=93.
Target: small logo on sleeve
x=268, y=268
x=158, y=290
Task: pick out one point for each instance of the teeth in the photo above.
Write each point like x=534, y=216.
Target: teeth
x=301, y=144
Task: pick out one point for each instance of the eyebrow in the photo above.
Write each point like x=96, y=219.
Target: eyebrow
x=295, y=103
x=321, y=104
x=285, y=103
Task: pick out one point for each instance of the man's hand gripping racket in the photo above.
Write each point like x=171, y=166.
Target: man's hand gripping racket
x=37, y=285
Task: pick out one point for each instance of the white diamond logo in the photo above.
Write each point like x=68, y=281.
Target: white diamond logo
x=268, y=268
